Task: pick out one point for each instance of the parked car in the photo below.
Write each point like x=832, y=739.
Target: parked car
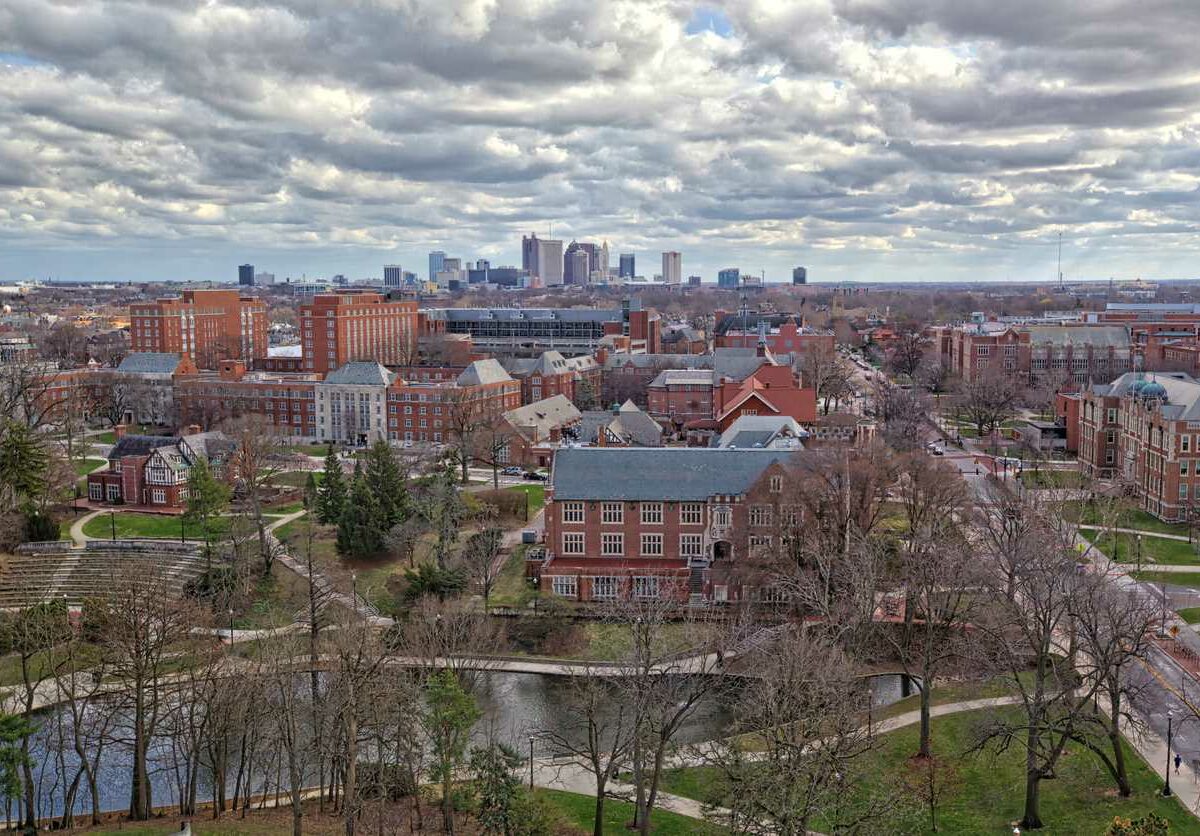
x=534, y=476
x=511, y=470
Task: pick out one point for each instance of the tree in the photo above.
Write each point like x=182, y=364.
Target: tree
x=988, y=399
x=208, y=496
x=498, y=790
x=465, y=416
x=443, y=509
x=492, y=445
x=15, y=730
x=332, y=496
x=387, y=483
x=931, y=781
x=903, y=414
x=256, y=460
x=358, y=533
x=479, y=556
x=23, y=465
x=828, y=373
x=905, y=354
x=448, y=714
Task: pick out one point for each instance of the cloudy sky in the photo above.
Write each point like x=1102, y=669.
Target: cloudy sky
x=866, y=139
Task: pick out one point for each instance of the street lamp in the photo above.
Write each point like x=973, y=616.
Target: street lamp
x=182, y=537
x=531, y=763
x=231, y=626
x=1167, y=785
x=112, y=519
x=1139, y=551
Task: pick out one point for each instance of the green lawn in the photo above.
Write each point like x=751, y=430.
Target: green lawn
x=990, y=792
x=157, y=526
x=580, y=811
x=1189, y=614
x=1052, y=478
x=1134, y=518
x=535, y=495
x=1123, y=548
x=1191, y=579
x=296, y=478
x=512, y=589
x=85, y=466
x=109, y=437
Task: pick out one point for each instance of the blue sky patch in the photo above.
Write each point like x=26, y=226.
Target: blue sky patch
x=709, y=19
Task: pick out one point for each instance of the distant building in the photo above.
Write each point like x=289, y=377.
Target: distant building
x=264, y=279
x=693, y=281
x=799, y=275
x=730, y=277
x=627, y=269
x=206, y=325
x=672, y=267
x=337, y=328
x=1065, y=355
x=543, y=258
x=246, y=275
x=393, y=275
x=575, y=266
x=437, y=262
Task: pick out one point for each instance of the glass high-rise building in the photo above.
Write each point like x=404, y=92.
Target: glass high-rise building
x=729, y=277
x=393, y=275
x=627, y=269
x=246, y=275
x=799, y=275
x=437, y=263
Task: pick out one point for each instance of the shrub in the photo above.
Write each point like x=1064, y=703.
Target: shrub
x=40, y=528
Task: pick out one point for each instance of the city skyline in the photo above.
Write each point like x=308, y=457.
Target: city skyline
x=874, y=142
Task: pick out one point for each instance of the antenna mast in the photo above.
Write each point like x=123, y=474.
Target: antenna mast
x=1060, y=276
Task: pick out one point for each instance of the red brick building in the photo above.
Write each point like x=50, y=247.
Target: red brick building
x=656, y=523
x=576, y=378
x=207, y=326
x=337, y=328
x=148, y=470
x=1071, y=355
x=783, y=333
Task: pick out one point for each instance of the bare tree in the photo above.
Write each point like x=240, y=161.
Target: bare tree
x=988, y=399
x=902, y=412
x=481, y=558
x=490, y=445
x=906, y=353
x=257, y=458
x=829, y=374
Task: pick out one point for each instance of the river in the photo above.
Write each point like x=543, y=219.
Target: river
x=516, y=707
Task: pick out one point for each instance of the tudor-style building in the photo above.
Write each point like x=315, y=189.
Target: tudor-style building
x=151, y=470
x=651, y=523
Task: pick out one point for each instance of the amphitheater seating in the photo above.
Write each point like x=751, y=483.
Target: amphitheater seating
x=41, y=572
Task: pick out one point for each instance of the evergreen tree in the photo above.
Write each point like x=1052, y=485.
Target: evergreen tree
x=311, y=493
x=358, y=533
x=386, y=481
x=207, y=498
x=331, y=500
x=23, y=465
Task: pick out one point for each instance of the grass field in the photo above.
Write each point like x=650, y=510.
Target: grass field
x=1123, y=548
x=535, y=494
x=1134, y=518
x=85, y=466
x=579, y=810
x=1189, y=614
x=156, y=526
x=1191, y=579
x=1052, y=478
x=989, y=792
x=511, y=589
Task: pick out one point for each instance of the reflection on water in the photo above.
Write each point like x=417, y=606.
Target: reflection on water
x=515, y=707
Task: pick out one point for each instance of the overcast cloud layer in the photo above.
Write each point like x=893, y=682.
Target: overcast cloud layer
x=867, y=139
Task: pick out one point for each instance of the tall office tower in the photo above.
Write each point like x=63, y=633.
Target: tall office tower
x=207, y=325
x=672, y=268
x=482, y=264
x=575, y=267
x=437, y=261
x=799, y=275
x=246, y=275
x=627, y=269
x=339, y=327
x=393, y=276
x=602, y=259
x=543, y=258
x=729, y=277
x=693, y=281
x=451, y=263
x=264, y=279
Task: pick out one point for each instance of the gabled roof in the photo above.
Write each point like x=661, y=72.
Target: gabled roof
x=150, y=362
x=751, y=432
x=535, y=421
x=1099, y=336
x=752, y=391
x=482, y=372
x=360, y=373
x=213, y=445
x=141, y=445
x=635, y=426
x=687, y=474
x=683, y=377
x=1181, y=401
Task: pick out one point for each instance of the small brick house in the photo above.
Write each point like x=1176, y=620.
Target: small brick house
x=151, y=470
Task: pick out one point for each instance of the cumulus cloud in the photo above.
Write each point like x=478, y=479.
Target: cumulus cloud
x=868, y=139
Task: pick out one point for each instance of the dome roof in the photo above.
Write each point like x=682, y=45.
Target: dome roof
x=1154, y=389
x=1138, y=385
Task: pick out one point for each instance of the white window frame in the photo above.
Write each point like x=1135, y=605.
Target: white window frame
x=113, y=492
x=649, y=539
x=646, y=586
x=652, y=513
x=574, y=542
x=612, y=513
x=572, y=512
x=776, y=483
x=691, y=545
x=158, y=496
x=611, y=584
x=760, y=515
x=691, y=513
x=565, y=586
x=607, y=539
x=96, y=491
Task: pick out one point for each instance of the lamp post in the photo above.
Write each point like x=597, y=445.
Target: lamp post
x=1139, y=551
x=112, y=519
x=1162, y=629
x=531, y=763
x=1167, y=785
x=182, y=536
x=231, y=626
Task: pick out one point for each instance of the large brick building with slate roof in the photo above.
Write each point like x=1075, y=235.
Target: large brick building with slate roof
x=650, y=523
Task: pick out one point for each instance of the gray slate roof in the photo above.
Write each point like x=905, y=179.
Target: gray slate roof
x=1100, y=336
x=481, y=372
x=751, y=432
x=360, y=373
x=141, y=445
x=535, y=420
x=683, y=377
x=1182, y=401
x=149, y=362
x=680, y=474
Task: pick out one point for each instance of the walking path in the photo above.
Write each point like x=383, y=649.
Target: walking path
x=1136, y=531
x=77, y=535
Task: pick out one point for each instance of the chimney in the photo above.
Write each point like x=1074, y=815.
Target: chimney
x=191, y=429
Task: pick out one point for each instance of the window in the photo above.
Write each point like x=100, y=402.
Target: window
x=1183, y=468
x=1111, y=418
x=760, y=515
x=652, y=545
x=691, y=545
x=645, y=587
x=759, y=541
x=114, y=493
x=691, y=513
x=651, y=513
x=572, y=512
x=776, y=483
x=564, y=585
x=604, y=587
x=572, y=542
x=96, y=491
x=612, y=545
x=1183, y=490
x=1185, y=443
x=720, y=517
x=158, y=496
x=612, y=513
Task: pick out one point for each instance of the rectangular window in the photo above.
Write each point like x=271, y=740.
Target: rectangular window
x=651, y=513
x=759, y=541
x=645, y=587
x=572, y=512
x=158, y=496
x=565, y=585
x=760, y=515
x=604, y=587
x=652, y=545
x=1185, y=443
x=572, y=542
x=776, y=483
x=691, y=513
x=691, y=545
x=612, y=513
x=612, y=545
x=1183, y=468
x=1183, y=490
x=1112, y=415
x=114, y=493
x=96, y=491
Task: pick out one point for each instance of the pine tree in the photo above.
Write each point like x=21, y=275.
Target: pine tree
x=386, y=481
x=207, y=498
x=23, y=465
x=331, y=500
x=358, y=533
